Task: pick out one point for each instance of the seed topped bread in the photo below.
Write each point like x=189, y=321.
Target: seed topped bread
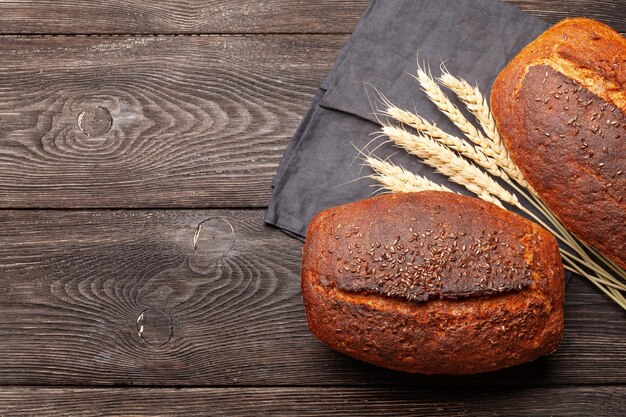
x=432, y=282
x=560, y=106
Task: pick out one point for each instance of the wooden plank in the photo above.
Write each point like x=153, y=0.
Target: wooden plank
x=560, y=401
x=611, y=12
x=242, y=16
x=186, y=16
x=122, y=297
x=96, y=122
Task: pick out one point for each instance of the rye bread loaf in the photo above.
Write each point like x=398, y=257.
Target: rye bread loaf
x=560, y=106
x=432, y=283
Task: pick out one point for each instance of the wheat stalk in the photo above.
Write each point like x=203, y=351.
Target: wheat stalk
x=462, y=163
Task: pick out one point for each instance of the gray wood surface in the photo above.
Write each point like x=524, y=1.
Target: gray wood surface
x=240, y=16
x=77, y=286
x=297, y=402
x=196, y=121
x=186, y=16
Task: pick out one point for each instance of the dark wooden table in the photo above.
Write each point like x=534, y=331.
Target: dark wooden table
x=137, y=146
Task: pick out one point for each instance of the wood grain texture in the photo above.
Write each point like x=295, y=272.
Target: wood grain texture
x=611, y=12
x=122, y=297
x=194, y=119
x=240, y=16
x=562, y=401
x=186, y=16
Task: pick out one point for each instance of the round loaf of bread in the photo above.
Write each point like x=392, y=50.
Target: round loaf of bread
x=560, y=106
x=433, y=283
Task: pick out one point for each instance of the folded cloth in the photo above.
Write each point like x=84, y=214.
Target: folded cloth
x=321, y=167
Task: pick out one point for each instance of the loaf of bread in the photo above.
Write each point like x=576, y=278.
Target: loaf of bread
x=560, y=106
x=432, y=283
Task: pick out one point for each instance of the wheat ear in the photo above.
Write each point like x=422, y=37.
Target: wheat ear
x=443, y=103
x=398, y=180
x=465, y=149
x=477, y=104
x=448, y=163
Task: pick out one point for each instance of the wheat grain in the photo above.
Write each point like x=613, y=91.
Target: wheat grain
x=399, y=180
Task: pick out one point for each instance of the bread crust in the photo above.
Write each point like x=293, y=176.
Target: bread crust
x=560, y=106
x=445, y=330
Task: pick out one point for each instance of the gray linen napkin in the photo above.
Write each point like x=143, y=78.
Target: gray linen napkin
x=321, y=169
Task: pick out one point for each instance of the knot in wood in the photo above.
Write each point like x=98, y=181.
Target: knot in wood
x=95, y=121
x=154, y=326
x=213, y=239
